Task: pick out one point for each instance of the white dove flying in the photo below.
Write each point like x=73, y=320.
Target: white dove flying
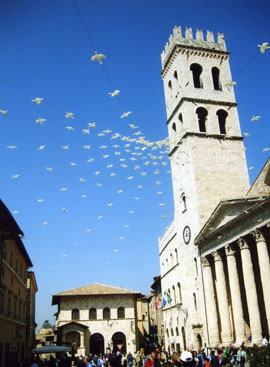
x=4, y=112
x=38, y=100
x=114, y=93
x=69, y=115
x=98, y=57
x=125, y=114
x=40, y=121
x=41, y=147
x=263, y=47
x=255, y=118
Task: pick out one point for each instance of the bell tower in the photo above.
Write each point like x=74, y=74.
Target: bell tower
x=206, y=146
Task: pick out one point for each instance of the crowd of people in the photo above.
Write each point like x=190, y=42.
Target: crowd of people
x=215, y=358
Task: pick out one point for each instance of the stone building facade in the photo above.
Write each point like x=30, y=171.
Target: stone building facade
x=99, y=318
x=17, y=322
x=210, y=183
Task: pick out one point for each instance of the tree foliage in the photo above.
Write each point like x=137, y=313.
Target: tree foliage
x=47, y=325
x=259, y=356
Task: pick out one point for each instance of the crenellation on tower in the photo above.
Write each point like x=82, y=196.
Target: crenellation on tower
x=189, y=41
x=199, y=35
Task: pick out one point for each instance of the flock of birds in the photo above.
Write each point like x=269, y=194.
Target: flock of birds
x=132, y=153
x=134, y=149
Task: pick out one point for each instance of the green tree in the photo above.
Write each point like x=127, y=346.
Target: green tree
x=47, y=325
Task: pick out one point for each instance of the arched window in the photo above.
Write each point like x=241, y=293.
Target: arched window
x=169, y=298
x=176, y=331
x=92, y=314
x=196, y=72
x=120, y=313
x=184, y=338
x=167, y=332
x=175, y=75
x=75, y=314
x=195, y=301
x=170, y=84
x=4, y=250
x=106, y=313
x=222, y=115
x=196, y=266
x=215, y=76
x=174, y=294
x=179, y=292
x=180, y=117
x=184, y=202
x=174, y=127
x=202, y=113
x=171, y=256
x=176, y=256
x=171, y=331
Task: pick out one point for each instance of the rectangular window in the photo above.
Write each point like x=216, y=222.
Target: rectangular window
x=9, y=303
x=15, y=307
x=2, y=300
x=20, y=309
x=4, y=250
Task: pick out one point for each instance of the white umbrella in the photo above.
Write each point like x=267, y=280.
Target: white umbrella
x=51, y=349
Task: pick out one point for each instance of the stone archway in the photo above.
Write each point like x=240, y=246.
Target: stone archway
x=119, y=342
x=96, y=344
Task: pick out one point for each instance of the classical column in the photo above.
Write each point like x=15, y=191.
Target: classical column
x=82, y=339
x=237, y=307
x=222, y=297
x=251, y=292
x=264, y=270
x=211, y=309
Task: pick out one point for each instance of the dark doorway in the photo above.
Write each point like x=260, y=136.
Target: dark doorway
x=96, y=344
x=119, y=343
x=198, y=342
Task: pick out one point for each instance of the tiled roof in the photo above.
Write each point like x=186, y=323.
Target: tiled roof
x=96, y=289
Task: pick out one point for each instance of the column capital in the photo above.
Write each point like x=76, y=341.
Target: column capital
x=216, y=255
x=258, y=236
x=229, y=251
x=205, y=261
x=242, y=244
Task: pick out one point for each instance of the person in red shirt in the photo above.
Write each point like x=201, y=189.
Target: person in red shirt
x=150, y=361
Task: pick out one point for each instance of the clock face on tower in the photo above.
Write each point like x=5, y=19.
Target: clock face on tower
x=186, y=234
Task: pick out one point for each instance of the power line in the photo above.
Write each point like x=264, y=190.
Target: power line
x=85, y=27
x=95, y=49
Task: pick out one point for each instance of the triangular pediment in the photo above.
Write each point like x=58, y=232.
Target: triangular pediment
x=226, y=211
x=261, y=185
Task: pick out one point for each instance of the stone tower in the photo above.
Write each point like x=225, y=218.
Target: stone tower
x=206, y=146
x=208, y=165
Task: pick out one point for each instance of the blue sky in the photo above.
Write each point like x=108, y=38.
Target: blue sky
x=46, y=52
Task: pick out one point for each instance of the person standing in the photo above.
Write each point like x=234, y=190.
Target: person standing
x=138, y=359
x=130, y=360
x=151, y=360
x=241, y=357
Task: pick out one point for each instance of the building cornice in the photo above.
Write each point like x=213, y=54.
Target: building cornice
x=204, y=135
x=192, y=50
x=201, y=101
x=167, y=272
